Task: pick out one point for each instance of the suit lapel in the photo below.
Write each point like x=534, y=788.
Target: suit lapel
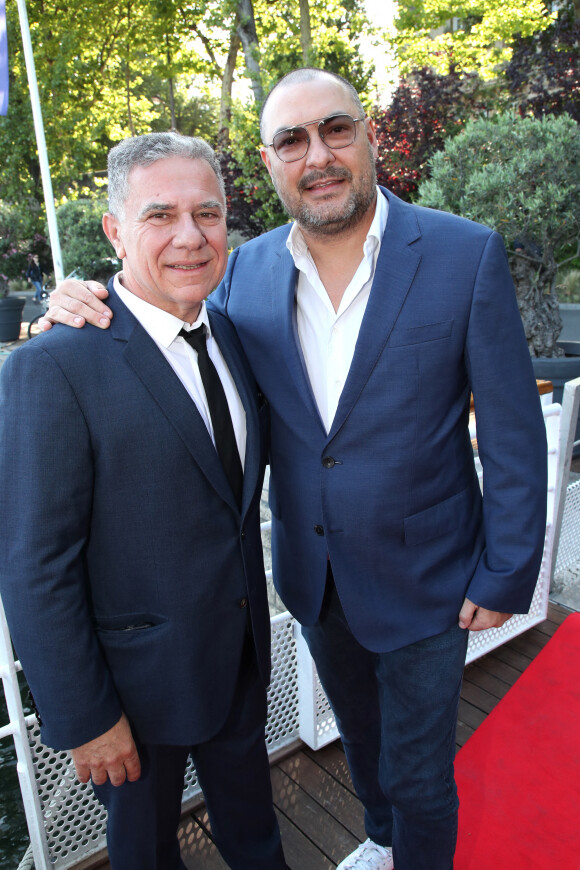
x=168, y=392
x=396, y=268
x=283, y=282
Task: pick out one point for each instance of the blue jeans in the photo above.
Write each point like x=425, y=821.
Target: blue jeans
x=396, y=713
x=37, y=290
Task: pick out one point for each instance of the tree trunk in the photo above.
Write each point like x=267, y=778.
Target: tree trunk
x=226, y=94
x=305, y=32
x=538, y=304
x=246, y=28
x=171, y=89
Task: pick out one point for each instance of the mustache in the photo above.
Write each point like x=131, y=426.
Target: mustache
x=316, y=176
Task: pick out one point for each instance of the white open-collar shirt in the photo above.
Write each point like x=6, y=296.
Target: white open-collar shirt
x=164, y=329
x=328, y=337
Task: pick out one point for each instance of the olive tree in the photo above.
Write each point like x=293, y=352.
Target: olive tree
x=520, y=176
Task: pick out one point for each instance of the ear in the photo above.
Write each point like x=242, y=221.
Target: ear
x=266, y=159
x=112, y=230
x=372, y=135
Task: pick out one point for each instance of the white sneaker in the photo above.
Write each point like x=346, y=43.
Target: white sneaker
x=368, y=856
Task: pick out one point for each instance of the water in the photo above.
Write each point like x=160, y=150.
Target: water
x=13, y=831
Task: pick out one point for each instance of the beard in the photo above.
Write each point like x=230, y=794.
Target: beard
x=331, y=219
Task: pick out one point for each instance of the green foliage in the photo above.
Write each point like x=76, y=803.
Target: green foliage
x=85, y=248
x=20, y=238
x=253, y=205
x=520, y=176
x=544, y=73
x=472, y=36
x=108, y=70
x=336, y=31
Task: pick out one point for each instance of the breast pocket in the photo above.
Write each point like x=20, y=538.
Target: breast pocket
x=420, y=334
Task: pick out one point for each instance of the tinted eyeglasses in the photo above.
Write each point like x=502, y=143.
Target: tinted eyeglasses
x=337, y=131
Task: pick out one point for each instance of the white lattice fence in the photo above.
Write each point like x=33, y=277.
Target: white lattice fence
x=569, y=543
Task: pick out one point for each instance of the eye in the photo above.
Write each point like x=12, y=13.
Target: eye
x=288, y=139
x=208, y=218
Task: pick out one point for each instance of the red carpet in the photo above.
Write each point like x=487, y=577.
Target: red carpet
x=519, y=774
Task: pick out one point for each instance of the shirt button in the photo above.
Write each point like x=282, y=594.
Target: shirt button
x=319, y=530
x=329, y=462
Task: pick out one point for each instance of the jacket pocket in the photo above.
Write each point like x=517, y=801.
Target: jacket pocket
x=437, y=520
x=420, y=334
x=128, y=622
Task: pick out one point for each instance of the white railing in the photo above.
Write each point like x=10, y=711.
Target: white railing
x=65, y=821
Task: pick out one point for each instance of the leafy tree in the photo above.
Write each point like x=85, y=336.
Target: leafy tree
x=425, y=110
x=520, y=176
x=19, y=238
x=544, y=72
x=471, y=36
x=253, y=205
x=85, y=248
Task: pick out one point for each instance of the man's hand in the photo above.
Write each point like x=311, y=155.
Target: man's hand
x=113, y=754
x=478, y=618
x=76, y=303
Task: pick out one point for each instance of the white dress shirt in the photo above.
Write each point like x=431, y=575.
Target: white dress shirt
x=164, y=329
x=328, y=337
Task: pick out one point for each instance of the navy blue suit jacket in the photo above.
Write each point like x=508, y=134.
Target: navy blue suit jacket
x=127, y=570
x=391, y=493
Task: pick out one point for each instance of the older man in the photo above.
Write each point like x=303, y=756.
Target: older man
x=368, y=323
x=131, y=564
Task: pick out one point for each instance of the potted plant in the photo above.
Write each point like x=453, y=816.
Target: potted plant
x=521, y=176
x=11, y=308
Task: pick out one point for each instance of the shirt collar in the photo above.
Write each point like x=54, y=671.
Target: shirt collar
x=162, y=326
x=296, y=242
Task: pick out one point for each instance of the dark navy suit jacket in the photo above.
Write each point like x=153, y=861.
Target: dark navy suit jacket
x=391, y=493
x=126, y=569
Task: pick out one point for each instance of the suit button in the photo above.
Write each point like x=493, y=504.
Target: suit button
x=329, y=462
x=319, y=530
x=243, y=534
x=243, y=603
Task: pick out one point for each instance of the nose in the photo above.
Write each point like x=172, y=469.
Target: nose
x=318, y=154
x=188, y=233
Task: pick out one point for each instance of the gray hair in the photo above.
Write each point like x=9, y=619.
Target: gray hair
x=147, y=149
x=308, y=74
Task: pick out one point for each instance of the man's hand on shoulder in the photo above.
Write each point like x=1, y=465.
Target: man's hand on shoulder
x=477, y=618
x=113, y=755
x=75, y=303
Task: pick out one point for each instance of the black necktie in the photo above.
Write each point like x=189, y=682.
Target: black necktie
x=223, y=429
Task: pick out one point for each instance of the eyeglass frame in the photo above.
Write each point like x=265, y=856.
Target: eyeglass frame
x=318, y=121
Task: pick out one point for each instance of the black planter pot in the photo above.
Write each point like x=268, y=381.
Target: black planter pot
x=558, y=370
x=11, y=308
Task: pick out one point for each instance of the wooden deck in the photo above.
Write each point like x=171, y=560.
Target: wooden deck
x=320, y=817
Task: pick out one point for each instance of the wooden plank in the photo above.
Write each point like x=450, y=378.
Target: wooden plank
x=487, y=680
x=470, y=715
x=299, y=851
x=324, y=788
x=328, y=835
x=333, y=759
x=198, y=850
x=490, y=663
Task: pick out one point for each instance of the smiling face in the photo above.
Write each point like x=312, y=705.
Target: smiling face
x=172, y=238
x=328, y=191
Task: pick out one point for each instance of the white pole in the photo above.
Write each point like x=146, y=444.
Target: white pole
x=41, y=143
